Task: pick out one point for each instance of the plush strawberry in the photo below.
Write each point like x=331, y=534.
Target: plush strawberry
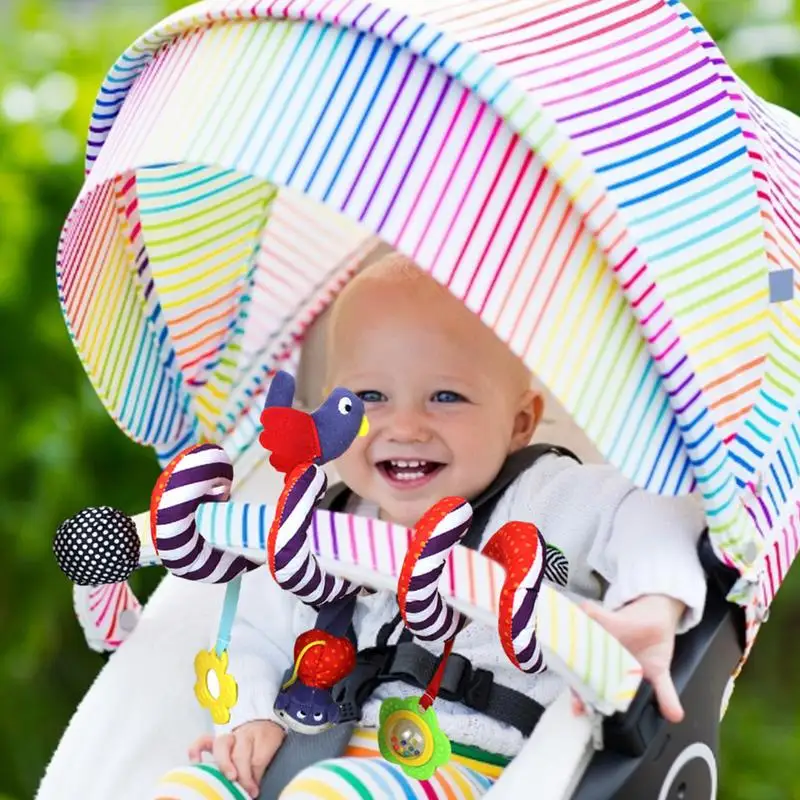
x=322, y=659
x=295, y=437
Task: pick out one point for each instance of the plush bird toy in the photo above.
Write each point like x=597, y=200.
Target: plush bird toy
x=295, y=437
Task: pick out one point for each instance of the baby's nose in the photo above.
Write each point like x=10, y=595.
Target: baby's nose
x=409, y=426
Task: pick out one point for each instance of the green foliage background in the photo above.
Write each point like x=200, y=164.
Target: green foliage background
x=61, y=451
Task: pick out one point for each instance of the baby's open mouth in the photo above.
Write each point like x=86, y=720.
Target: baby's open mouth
x=409, y=471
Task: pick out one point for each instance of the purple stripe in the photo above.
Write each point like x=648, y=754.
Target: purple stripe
x=524, y=613
x=419, y=606
x=313, y=586
x=614, y=122
x=239, y=565
x=334, y=537
x=201, y=448
x=418, y=582
x=167, y=515
x=315, y=532
x=186, y=560
x=379, y=134
x=398, y=139
x=528, y=653
x=200, y=474
x=298, y=540
x=178, y=540
x=438, y=603
x=647, y=89
x=290, y=583
x=205, y=570
x=443, y=541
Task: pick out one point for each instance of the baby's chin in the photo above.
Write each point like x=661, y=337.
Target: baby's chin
x=406, y=517
x=408, y=512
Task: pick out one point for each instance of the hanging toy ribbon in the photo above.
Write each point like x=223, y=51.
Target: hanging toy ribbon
x=409, y=734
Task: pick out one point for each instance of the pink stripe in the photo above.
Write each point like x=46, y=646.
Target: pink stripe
x=98, y=597
x=429, y=790
x=450, y=128
x=85, y=296
x=646, y=320
x=341, y=11
x=393, y=560
x=622, y=264
x=451, y=572
x=498, y=126
x=768, y=562
x=181, y=56
x=531, y=200
x=661, y=356
x=111, y=597
x=482, y=210
x=779, y=559
x=630, y=76
x=615, y=62
x=655, y=8
x=639, y=300
x=131, y=108
x=653, y=339
x=522, y=172
x=588, y=55
x=450, y=178
x=352, y=531
x=75, y=245
x=504, y=32
x=638, y=274
x=572, y=25
x=371, y=537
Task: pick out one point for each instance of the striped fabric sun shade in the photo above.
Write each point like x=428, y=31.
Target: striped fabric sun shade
x=587, y=176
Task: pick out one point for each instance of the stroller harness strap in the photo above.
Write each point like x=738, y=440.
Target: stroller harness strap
x=461, y=683
x=414, y=665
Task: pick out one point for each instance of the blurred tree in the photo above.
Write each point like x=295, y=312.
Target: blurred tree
x=64, y=453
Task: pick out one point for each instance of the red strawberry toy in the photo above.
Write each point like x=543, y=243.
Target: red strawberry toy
x=321, y=660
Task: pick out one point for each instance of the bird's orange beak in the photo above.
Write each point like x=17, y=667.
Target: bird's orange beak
x=364, y=429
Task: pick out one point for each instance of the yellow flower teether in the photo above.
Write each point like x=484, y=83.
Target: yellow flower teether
x=215, y=689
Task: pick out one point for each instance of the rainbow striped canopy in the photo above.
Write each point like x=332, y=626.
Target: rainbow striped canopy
x=589, y=177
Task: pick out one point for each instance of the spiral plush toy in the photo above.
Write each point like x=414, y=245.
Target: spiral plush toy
x=409, y=733
x=300, y=443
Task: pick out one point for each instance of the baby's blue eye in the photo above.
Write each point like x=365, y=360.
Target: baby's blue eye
x=371, y=396
x=448, y=397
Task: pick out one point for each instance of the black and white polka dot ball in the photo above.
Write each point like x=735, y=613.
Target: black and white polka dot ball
x=97, y=546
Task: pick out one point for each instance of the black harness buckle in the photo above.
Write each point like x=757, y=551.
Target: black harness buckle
x=353, y=691
x=462, y=683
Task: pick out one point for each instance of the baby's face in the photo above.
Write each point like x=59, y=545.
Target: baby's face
x=443, y=413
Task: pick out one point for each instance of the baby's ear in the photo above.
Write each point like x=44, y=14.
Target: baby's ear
x=526, y=420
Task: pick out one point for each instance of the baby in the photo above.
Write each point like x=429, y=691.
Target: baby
x=448, y=403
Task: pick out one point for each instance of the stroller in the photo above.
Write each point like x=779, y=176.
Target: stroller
x=589, y=178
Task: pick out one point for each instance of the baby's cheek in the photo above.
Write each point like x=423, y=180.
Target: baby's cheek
x=353, y=467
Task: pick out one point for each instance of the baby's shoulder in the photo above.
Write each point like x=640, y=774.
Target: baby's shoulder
x=555, y=471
